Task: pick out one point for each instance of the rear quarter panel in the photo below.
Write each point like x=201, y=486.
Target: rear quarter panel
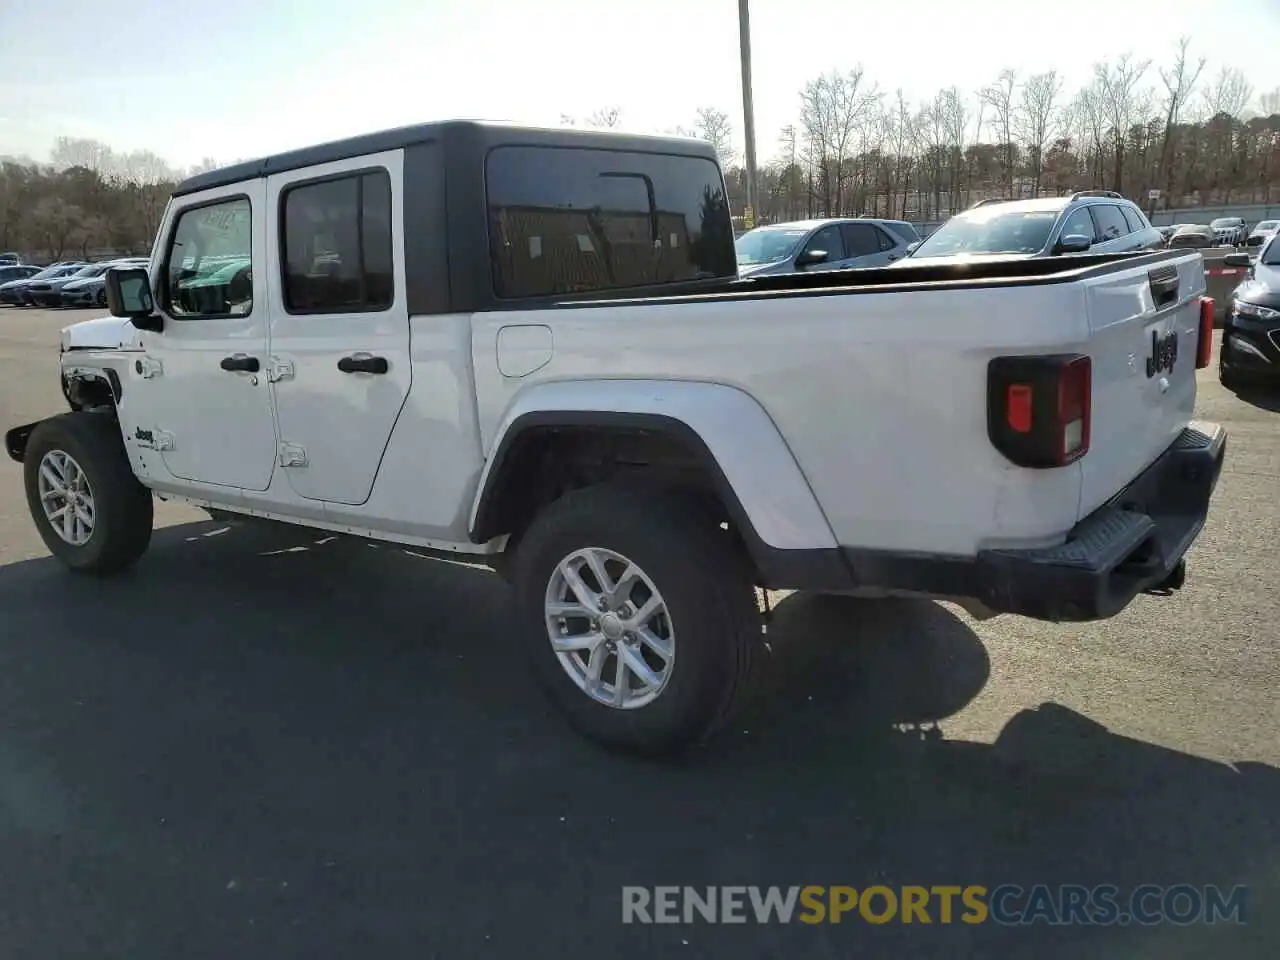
x=880, y=396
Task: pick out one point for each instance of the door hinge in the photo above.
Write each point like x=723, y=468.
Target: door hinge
x=278, y=369
x=292, y=455
x=148, y=367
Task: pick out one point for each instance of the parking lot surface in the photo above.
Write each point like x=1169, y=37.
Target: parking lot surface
x=282, y=745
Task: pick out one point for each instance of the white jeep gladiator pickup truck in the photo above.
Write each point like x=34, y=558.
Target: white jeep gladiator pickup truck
x=530, y=349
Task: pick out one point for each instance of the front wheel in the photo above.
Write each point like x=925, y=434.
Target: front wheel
x=638, y=616
x=102, y=297
x=91, y=511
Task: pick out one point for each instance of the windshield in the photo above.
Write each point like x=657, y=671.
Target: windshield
x=1267, y=225
x=768, y=245
x=1271, y=253
x=990, y=232
x=1225, y=222
x=90, y=271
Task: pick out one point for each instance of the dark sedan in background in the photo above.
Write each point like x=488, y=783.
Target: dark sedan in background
x=1251, y=341
x=48, y=291
x=12, y=272
x=15, y=291
x=90, y=289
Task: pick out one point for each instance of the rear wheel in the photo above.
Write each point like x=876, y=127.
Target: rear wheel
x=638, y=616
x=89, y=508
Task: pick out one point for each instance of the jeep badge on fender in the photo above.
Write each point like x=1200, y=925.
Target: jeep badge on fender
x=1164, y=353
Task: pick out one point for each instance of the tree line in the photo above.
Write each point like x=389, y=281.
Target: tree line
x=1198, y=137
x=87, y=201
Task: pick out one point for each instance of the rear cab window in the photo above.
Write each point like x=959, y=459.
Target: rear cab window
x=565, y=220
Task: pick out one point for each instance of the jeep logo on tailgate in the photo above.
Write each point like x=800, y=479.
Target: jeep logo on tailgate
x=1164, y=353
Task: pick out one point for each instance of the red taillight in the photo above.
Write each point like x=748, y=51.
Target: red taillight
x=1204, y=347
x=1038, y=408
x=1018, y=407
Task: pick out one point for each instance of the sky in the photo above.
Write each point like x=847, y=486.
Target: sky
x=233, y=79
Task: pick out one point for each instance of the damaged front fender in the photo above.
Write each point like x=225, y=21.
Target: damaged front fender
x=15, y=440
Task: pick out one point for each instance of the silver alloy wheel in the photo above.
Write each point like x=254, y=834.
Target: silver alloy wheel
x=610, y=628
x=66, y=497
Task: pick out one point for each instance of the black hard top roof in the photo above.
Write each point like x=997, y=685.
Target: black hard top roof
x=489, y=132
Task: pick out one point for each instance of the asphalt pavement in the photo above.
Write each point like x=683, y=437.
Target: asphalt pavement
x=280, y=745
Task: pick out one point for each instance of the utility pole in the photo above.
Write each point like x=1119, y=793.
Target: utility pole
x=748, y=111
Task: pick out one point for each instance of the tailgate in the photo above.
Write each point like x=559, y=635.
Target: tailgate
x=1144, y=323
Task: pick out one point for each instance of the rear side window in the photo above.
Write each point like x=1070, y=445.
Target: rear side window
x=565, y=220
x=863, y=239
x=335, y=240
x=1110, y=221
x=1133, y=218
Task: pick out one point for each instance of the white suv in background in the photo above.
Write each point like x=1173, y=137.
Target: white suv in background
x=1228, y=231
x=1092, y=221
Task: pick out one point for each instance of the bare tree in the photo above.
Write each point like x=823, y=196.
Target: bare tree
x=1119, y=85
x=1000, y=97
x=831, y=108
x=1270, y=103
x=714, y=126
x=1038, y=119
x=1179, y=83
x=606, y=118
x=953, y=116
x=81, y=152
x=1229, y=93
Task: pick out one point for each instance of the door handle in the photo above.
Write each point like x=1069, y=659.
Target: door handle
x=241, y=363
x=363, y=363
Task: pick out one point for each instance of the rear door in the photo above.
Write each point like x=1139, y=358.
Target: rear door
x=1144, y=324
x=339, y=334
x=1111, y=226
x=867, y=245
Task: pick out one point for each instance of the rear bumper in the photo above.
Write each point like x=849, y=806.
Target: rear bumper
x=1133, y=544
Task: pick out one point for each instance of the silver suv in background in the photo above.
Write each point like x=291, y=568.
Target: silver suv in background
x=1093, y=221
x=810, y=246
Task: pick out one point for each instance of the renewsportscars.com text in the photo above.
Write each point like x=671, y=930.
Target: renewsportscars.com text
x=1006, y=904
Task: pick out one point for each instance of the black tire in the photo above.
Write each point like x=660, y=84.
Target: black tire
x=101, y=299
x=701, y=574
x=122, y=506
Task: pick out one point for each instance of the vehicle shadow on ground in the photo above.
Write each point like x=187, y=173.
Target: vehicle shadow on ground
x=1265, y=398
x=259, y=745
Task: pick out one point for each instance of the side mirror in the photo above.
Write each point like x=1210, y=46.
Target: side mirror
x=1074, y=243
x=1237, y=260
x=807, y=258
x=129, y=295
x=912, y=246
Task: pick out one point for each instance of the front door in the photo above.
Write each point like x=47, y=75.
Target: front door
x=207, y=401
x=339, y=337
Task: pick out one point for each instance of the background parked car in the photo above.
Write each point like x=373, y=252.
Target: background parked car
x=47, y=291
x=18, y=272
x=1251, y=341
x=1193, y=235
x=818, y=245
x=15, y=290
x=1087, y=222
x=91, y=289
x=10, y=259
x=1261, y=233
x=1229, y=231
